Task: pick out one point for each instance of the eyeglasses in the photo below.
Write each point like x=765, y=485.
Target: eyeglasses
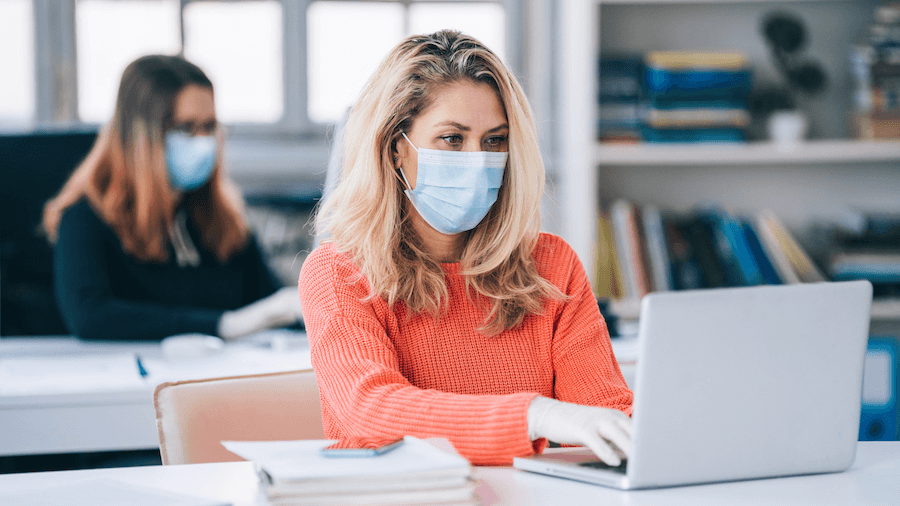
x=194, y=129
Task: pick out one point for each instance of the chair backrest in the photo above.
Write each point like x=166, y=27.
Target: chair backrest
x=194, y=416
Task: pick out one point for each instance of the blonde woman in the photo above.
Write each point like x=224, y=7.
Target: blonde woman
x=438, y=309
x=149, y=234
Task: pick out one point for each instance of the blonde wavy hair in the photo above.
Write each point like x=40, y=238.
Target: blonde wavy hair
x=365, y=216
x=124, y=176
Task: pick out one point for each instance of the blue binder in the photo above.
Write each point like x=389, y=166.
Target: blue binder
x=878, y=421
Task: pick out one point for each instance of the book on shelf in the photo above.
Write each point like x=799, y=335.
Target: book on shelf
x=878, y=266
x=875, y=66
x=700, y=113
x=740, y=265
x=709, y=247
x=629, y=249
x=696, y=60
x=699, y=234
x=766, y=269
x=692, y=135
x=657, y=249
x=803, y=266
x=417, y=472
x=608, y=282
x=696, y=96
x=620, y=110
x=872, y=252
x=697, y=75
x=876, y=125
x=686, y=274
x=774, y=252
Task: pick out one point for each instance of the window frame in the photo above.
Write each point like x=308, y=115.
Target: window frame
x=259, y=154
x=56, y=63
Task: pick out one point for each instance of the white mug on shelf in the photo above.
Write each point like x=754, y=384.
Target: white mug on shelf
x=787, y=128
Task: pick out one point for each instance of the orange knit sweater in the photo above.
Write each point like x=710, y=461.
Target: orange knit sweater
x=382, y=375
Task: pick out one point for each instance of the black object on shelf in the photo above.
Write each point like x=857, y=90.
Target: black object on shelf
x=785, y=35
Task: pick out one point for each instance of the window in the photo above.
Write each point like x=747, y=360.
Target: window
x=279, y=66
x=346, y=40
x=484, y=21
x=17, y=87
x=110, y=34
x=239, y=45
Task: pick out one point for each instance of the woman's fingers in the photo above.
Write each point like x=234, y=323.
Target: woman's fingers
x=603, y=450
x=612, y=431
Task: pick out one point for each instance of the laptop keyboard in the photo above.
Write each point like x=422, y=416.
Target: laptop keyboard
x=598, y=464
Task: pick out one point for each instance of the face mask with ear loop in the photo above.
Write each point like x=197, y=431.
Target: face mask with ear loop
x=455, y=189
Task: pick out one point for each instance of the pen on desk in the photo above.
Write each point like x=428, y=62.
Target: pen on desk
x=140, y=365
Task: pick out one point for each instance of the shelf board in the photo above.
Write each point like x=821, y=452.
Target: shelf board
x=751, y=153
x=882, y=309
x=886, y=309
x=651, y=2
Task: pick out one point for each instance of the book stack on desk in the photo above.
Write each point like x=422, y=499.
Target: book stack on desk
x=418, y=472
x=696, y=96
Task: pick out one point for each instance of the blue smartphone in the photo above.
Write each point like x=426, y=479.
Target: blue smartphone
x=360, y=447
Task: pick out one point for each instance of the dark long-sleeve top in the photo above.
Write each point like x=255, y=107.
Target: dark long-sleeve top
x=106, y=293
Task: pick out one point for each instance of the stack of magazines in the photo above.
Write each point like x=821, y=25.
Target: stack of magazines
x=418, y=472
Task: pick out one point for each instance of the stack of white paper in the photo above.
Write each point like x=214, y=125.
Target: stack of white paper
x=417, y=472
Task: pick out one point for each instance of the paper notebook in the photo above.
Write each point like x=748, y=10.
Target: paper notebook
x=417, y=472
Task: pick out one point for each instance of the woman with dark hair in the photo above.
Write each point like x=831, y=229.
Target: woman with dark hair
x=149, y=234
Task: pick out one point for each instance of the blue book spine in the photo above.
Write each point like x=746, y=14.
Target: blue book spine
x=746, y=260
x=741, y=268
x=698, y=83
x=769, y=274
x=693, y=134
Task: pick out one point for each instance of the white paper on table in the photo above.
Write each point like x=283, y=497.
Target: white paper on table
x=101, y=372
x=300, y=460
x=106, y=492
x=233, y=360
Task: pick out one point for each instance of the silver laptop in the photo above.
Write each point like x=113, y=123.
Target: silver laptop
x=738, y=383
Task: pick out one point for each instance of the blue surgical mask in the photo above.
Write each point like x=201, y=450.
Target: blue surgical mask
x=455, y=189
x=189, y=160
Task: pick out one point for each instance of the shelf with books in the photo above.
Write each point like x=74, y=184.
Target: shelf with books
x=643, y=249
x=801, y=184
x=838, y=151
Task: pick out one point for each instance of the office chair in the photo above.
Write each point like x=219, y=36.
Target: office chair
x=194, y=416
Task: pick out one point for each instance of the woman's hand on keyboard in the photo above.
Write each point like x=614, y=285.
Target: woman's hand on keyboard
x=607, y=432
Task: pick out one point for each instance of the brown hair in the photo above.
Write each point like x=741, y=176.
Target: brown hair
x=124, y=176
x=365, y=215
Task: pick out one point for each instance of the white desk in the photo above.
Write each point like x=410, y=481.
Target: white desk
x=75, y=411
x=873, y=480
